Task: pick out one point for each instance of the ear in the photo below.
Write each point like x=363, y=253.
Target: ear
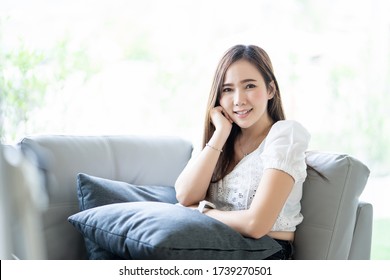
x=271, y=90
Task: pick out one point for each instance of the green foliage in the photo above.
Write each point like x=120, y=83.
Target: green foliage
x=26, y=74
x=67, y=61
x=20, y=84
x=139, y=49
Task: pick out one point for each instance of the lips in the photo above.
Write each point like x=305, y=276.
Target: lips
x=242, y=113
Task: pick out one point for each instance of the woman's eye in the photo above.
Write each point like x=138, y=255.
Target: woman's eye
x=227, y=90
x=250, y=86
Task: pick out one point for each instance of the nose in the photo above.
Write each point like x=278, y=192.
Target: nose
x=239, y=98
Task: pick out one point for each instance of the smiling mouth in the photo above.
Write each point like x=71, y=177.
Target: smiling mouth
x=240, y=113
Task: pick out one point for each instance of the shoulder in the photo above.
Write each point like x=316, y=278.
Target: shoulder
x=289, y=129
x=285, y=148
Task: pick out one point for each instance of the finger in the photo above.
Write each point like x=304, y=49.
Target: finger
x=219, y=109
x=227, y=115
x=215, y=110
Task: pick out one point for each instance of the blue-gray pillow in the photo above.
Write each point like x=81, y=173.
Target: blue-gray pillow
x=156, y=230
x=94, y=191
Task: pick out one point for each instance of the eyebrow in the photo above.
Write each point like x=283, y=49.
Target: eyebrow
x=242, y=82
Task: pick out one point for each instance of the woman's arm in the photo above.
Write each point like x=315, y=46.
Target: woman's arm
x=192, y=184
x=257, y=221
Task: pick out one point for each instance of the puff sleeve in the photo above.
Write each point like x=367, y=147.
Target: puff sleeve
x=285, y=148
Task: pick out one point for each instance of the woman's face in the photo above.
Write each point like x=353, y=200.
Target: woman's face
x=244, y=95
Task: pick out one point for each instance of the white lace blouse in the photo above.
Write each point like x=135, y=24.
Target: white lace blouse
x=283, y=149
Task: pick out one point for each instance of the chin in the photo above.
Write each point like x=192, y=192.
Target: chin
x=243, y=125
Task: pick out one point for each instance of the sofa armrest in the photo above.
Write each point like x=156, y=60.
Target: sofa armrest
x=362, y=237
x=330, y=207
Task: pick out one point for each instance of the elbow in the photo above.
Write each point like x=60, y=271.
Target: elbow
x=182, y=199
x=179, y=195
x=182, y=196
x=256, y=230
x=185, y=200
x=256, y=234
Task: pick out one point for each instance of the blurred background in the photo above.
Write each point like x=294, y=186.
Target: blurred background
x=145, y=67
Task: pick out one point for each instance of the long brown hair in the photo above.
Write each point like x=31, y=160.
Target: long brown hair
x=260, y=59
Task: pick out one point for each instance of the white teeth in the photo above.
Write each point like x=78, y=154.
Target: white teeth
x=242, y=112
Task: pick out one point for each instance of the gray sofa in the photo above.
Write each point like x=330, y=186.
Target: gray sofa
x=336, y=225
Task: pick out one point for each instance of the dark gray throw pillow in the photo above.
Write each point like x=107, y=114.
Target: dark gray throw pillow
x=94, y=191
x=156, y=230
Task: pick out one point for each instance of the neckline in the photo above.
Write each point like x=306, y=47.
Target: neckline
x=246, y=157
x=251, y=153
x=247, y=154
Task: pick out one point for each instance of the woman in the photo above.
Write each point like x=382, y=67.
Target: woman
x=252, y=165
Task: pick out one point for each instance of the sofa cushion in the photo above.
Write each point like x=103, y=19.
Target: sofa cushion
x=93, y=191
x=156, y=230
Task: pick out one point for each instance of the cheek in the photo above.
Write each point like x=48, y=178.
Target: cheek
x=225, y=101
x=260, y=96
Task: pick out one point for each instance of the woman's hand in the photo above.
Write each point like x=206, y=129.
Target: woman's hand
x=221, y=120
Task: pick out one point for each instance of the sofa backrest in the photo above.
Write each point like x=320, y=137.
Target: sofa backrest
x=133, y=159
x=330, y=207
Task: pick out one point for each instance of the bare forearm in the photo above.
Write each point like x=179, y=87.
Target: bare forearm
x=243, y=221
x=192, y=184
x=259, y=219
